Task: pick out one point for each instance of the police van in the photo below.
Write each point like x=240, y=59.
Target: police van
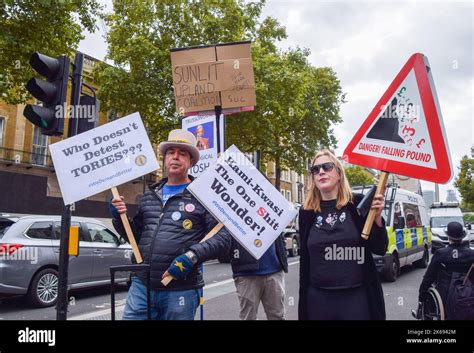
x=443, y=213
x=408, y=230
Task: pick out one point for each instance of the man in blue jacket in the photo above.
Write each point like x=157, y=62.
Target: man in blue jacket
x=168, y=227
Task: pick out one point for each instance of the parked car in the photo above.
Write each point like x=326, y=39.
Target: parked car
x=408, y=231
x=292, y=240
x=29, y=256
x=443, y=213
x=292, y=236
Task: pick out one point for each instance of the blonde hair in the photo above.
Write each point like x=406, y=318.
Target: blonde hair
x=344, y=192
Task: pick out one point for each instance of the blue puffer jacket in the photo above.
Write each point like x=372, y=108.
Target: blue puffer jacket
x=163, y=233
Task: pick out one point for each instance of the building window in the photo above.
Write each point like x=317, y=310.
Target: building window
x=40, y=147
x=288, y=195
x=2, y=128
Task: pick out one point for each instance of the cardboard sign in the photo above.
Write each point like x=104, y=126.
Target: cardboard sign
x=241, y=198
x=404, y=134
x=205, y=130
x=101, y=158
x=202, y=76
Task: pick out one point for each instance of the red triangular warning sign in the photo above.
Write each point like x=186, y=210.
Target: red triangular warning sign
x=404, y=134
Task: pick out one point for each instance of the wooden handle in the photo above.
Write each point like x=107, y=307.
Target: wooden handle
x=128, y=230
x=468, y=274
x=165, y=281
x=371, y=217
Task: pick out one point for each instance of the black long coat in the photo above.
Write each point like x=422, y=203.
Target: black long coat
x=377, y=244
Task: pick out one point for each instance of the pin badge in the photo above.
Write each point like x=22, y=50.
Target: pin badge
x=187, y=224
x=190, y=207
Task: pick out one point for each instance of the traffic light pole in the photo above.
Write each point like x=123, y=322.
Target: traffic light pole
x=76, y=91
x=62, y=304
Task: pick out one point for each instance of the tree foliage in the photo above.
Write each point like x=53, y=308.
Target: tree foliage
x=140, y=38
x=52, y=27
x=357, y=176
x=464, y=182
x=296, y=107
x=297, y=103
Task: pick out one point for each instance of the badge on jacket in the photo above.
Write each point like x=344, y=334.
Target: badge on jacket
x=187, y=224
x=190, y=207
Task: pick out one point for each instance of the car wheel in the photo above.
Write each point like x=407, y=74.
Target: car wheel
x=43, y=290
x=423, y=262
x=393, y=269
x=294, y=251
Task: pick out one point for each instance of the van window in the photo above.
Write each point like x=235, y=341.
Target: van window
x=40, y=230
x=398, y=219
x=412, y=215
x=442, y=222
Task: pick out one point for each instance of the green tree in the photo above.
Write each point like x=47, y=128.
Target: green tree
x=356, y=175
x=296, y=102
x=464, y=182
x=140, y=38
x=52, y=27
x=296, y=106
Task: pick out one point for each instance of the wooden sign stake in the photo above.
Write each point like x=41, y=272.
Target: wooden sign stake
x=371, y=217
x=165, y=281
x=128, y=230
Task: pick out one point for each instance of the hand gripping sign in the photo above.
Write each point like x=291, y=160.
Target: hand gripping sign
x=244, y=201
x=101, y=159
x=404, y=134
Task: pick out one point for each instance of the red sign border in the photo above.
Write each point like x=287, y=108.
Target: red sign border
x=442, y=174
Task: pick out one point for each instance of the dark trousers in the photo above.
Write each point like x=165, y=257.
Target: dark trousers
x=338, y=304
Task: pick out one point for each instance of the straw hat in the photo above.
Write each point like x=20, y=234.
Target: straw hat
x=182, y=139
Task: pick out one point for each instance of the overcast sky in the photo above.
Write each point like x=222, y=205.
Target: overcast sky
x=367, y=43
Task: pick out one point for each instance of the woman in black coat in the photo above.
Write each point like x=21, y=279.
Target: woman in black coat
x=338, y=278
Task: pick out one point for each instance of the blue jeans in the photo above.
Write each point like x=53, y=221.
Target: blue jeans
x=165, y=305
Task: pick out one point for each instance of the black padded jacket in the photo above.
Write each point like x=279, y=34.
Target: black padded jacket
x=165, y=232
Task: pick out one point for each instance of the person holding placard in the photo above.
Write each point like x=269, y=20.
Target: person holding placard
x=338, y=277
x=169, y=224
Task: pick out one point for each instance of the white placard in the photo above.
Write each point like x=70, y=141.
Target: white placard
x=205, y=129
x=101, y=158
x=238, y=195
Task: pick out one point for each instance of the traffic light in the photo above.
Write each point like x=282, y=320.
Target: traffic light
x=52, y=92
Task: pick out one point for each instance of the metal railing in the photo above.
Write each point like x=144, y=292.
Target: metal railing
x=25, y=157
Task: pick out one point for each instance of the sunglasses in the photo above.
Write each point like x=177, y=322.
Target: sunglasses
x=327, y=167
